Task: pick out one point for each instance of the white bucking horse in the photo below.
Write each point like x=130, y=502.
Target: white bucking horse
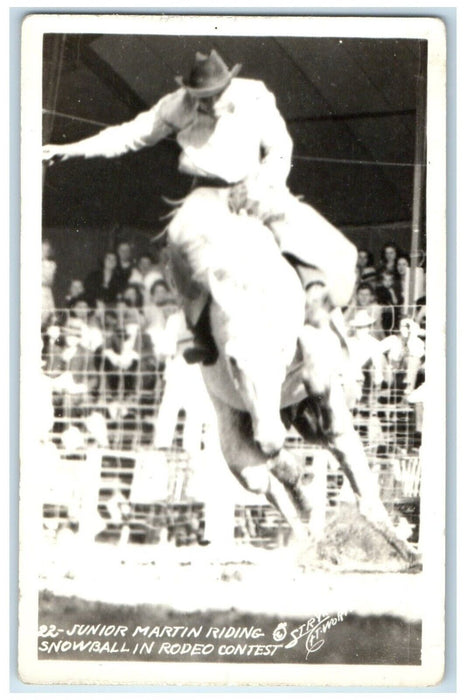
x=259, y=385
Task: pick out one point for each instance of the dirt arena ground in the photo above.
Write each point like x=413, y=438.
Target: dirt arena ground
x=352, y=573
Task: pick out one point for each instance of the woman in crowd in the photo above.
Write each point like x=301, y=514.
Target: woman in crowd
x=404, y=273
x=388, y=259
x=105, y=283
x=366, y=271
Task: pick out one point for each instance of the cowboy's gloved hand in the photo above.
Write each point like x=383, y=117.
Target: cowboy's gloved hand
x=238, y=197
x=246, y=197
x=53, y=154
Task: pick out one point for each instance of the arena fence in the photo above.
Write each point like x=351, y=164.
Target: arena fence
x=130, y=434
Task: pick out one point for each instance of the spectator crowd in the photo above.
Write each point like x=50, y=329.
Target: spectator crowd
x=116, y=347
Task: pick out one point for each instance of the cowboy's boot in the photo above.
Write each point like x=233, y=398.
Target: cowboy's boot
x=203, y=348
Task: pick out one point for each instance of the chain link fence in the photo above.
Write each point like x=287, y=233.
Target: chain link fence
x=131, y=451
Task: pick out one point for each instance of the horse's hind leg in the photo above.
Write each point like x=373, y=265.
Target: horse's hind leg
x=333, y=422
x=346, y=445
x=253, y=470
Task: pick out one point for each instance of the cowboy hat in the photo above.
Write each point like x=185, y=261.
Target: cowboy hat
x=209, y=75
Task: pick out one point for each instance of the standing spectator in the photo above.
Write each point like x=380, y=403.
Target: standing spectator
x=162, y=334
x=49, y=268
x=125, y=260
x=105, y=283
x=365, y=353
x=387, y=296
x=130, y=311
x=113, y=341
x=404, y=272
x=184, y=388
x=154, y=315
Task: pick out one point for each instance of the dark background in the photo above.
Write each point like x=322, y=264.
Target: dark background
x=350, y=106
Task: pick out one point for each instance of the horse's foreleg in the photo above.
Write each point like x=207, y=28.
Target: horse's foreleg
x=288, y=470
x=284, y=499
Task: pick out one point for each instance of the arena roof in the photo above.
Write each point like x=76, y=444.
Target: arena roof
x=350, y=106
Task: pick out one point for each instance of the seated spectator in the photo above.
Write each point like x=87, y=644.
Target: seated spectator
x=73, y=369
x=128, y=355
x=75, y=290
x=390, y=303
x=404, y=353
x=364, y=299
x=133, y=297
x=130, y=309
x=91, y=333
x=105, y=283
x=145, y=274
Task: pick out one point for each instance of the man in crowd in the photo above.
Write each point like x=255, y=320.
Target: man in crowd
x=231, y=134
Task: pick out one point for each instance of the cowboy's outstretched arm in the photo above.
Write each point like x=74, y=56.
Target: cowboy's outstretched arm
x=145, y=130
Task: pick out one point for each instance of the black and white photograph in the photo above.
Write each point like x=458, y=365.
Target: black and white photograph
x=232, y=432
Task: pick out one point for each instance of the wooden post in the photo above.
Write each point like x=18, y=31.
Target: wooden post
x=419, y=174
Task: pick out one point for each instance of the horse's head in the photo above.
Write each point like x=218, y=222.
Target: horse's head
x=256, y=319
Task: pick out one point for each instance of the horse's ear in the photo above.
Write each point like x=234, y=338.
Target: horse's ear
x=220, y=288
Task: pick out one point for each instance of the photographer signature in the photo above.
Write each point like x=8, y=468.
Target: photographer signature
x=313, y=631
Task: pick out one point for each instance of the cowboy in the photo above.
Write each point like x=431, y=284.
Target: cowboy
x=231, y=134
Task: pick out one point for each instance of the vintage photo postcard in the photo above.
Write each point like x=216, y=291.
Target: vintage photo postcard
x=233, y=249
